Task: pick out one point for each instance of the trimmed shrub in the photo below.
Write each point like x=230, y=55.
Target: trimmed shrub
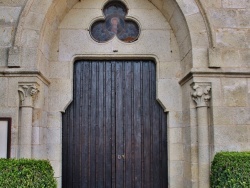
x=230, y=170
x=26, y=173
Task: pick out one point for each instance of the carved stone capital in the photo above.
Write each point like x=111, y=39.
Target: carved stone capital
x=201, y=94
x=27, y=93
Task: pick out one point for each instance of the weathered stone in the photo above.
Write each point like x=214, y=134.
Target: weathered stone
x=6, y=36
x=235, y=92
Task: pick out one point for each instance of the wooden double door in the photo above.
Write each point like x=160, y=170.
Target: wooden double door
x=114, y=131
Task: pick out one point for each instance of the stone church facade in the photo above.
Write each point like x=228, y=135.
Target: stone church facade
x=202, y=56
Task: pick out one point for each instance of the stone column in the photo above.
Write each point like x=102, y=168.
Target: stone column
x=27, y=93
x=201, y=96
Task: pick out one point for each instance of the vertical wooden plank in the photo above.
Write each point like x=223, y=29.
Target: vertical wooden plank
x=76, y=126
x=108, y=125
x=157, y=110
x=146, y=124
x=137, y=124
x=164, y=155
x=113, y=122
x=85, y=114
x=93, y=125
x=128, y=123
x=119, y=123
x=100, y=119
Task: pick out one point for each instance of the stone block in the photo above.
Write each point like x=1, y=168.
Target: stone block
x=169, y=94
x=185, y=48
x=186, y=63
x=54, y=135
x=41, y=6
x=61, y=8
x=73, y=42
x=140, y=4
x=24, y=151
x=244, y=57
x=198, y=30
x=235, y=91
x=9, y=14
x=89, y=4
x=39, y=152
x=30, y=38
x=231, y=135
x=224, y=38
x=176, y=168
x=80, y=19
x=3, y=57
x=55, y=119
x=149, y=19
x=43, y=65
x=71, y=3
x=29, y=57
x=168, y=8
x=231, y=58
x=175, y=119
x=179, y=26
x=203, y=152
x=54, y=152
x=37, y=135
x=14, y=57
x=25, y=134
x=214, y=56
x=59, y=103
x=175, y=182
x=157, y=3
x=188, y=7
x=6, y=34
x=224, y=18
x=3, y=91
x=176, y=152
x=231, y=147
x=200, y=57
x=243, y=18
x=170, y=69
x=194, y=154
x=216, y=92
x=175, y=135
x=212, y=3
x=175, y=53
x=12, y=2
x=34, y=21
x=186, y=140
x=193, y=136
x=223, y=116
x=235, y=4
x=54, y=48
x=59, y=70
x=242, y=116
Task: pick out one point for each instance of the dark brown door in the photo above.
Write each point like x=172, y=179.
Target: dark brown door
x=114, y=131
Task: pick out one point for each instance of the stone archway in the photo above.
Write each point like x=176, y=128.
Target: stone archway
x=42, y=46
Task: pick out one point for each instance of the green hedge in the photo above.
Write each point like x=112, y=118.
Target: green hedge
x=26, y=173
x=230, y=170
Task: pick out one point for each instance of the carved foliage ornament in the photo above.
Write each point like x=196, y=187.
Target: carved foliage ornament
x=114, y=24
x=27, y=92
x=201, y=94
